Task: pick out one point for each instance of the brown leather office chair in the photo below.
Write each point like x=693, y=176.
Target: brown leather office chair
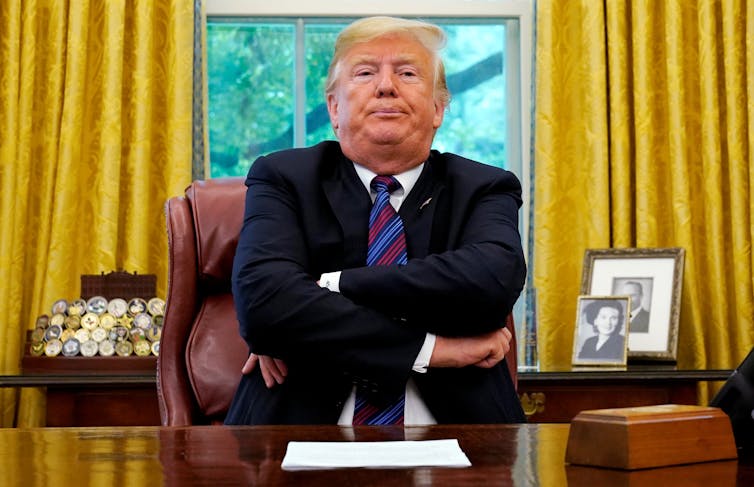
x=201, y=351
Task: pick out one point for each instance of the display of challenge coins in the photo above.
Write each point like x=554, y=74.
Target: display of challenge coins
x=119, y=327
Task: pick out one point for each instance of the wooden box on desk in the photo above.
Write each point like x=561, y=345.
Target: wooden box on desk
x=650, y=436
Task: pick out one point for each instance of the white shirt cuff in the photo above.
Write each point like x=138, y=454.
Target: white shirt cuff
x=422, y=360
x=330, y=280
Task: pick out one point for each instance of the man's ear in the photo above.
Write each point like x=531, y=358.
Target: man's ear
x=332, y=109
x=439, y=114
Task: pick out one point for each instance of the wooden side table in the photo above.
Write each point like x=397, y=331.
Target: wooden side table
x=93, y=391
x=557, y=396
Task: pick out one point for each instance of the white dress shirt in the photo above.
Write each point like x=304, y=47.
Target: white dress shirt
x=415, y=411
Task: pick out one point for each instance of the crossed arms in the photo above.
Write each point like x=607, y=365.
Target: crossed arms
x=461, y=295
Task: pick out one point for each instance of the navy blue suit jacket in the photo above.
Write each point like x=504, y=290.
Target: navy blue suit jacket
x=307, y=213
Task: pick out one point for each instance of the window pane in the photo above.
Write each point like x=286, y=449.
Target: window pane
x=319, y=42
x=251, y=79
x=252, y=98
x=474, y=124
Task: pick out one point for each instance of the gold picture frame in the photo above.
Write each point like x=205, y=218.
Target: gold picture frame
x=600, y=336
x=653, y=277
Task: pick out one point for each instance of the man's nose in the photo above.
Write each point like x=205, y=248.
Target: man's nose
x=386, y=85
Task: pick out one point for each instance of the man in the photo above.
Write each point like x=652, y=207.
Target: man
x=332, y=332
x=639, y=316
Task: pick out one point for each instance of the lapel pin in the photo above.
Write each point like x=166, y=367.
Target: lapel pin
x=425, y=203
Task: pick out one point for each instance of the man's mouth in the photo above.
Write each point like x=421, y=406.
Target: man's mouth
x=387, y=112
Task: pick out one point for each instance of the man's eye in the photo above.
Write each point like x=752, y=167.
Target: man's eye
x=408, y=74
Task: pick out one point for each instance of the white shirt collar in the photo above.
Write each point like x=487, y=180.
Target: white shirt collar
x=407, y=179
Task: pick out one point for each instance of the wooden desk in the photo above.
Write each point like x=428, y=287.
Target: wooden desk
x=557, y=396
x=521, y=455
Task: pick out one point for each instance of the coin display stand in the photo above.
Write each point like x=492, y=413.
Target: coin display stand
x=114, y=328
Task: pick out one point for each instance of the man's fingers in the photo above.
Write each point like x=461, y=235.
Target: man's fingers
x=499, y=343
x=269, y=371
x=273, y=370
x=482, y=351
x=282, y=368
x=487, y=363
x=251, y=362
x=507, y=343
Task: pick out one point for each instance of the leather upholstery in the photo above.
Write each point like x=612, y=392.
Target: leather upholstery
x=201, y=351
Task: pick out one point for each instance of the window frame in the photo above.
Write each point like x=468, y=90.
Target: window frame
x=520, y=45
x=519, y=50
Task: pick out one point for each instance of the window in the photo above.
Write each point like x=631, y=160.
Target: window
x=266, y=88
x=267, y=63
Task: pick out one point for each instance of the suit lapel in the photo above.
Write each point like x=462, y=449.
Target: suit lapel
x=350, y=203
x=418, y=211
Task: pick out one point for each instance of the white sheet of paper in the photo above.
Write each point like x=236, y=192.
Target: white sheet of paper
x=308, y=455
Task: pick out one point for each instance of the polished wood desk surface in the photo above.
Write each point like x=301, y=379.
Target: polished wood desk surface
x=520, y=455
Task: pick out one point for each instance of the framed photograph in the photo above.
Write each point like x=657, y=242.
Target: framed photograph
x=653, y=278
x=600, y=335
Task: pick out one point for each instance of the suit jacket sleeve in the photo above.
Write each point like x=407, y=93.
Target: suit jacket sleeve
x=282, y=311
x=471, y=286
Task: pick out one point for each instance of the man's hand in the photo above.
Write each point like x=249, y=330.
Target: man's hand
x=273, y=370
x=482, y=351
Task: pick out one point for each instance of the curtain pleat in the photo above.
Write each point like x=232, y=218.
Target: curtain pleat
x=95, y=135
x=674, y=167
x=571, y=164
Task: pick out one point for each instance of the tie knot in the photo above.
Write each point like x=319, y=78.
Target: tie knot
x=385, y=183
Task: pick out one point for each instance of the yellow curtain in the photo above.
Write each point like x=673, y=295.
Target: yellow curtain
x=95, y=135
x=644, y=138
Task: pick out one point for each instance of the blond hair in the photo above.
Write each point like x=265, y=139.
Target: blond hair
x=430, y=36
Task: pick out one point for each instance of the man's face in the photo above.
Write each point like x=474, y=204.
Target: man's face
x=635, y=292
x=384, y=100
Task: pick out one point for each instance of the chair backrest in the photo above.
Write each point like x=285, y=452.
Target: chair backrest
x=201, y=351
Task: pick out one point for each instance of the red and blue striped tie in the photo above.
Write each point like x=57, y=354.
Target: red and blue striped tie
x=387, y=246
